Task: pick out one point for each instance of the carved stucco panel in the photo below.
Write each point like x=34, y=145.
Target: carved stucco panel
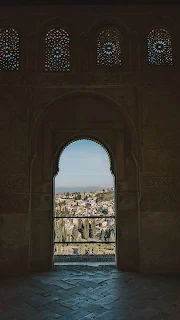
x=161, y=143
x=14, y=231
x=58, y=79
x=125, y=96
x=161, y=161
x=92, y=79
x=38, y=98
x=13, y=203
x=13, y=155
x=13, y=183
x=87, y=79
x=16, y=78
x=109, y=78
x=160, y=201
x=160, y=182
x=160, y=108
x=41, y=238
x=14, y=131
x=159, y=241
x=14, y=109
x=157, y=137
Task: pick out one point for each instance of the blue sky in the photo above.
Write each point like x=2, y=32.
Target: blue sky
x=84, y=163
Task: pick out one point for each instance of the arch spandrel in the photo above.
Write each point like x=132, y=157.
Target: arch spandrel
x=117, y=111
x=83, y=109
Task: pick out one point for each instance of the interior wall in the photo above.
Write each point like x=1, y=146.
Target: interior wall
x=14, y=183
x=149, y=102
x=160, y=202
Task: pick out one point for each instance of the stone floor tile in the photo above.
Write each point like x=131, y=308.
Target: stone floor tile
x=64, y=284
x=58, y=308
x=112, y=315
x=75, y=315
x=95, y=308
x=90, y=316
x=89, y=292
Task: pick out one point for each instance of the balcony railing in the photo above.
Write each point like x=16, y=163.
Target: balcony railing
x=92, y=236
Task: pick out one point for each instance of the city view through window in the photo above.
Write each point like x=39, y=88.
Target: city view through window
x=84, y=214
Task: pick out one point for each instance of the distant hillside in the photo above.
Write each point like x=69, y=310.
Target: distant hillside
x=107, y=196
x=77, y=189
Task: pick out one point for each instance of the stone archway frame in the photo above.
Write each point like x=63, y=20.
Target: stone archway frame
x=115, y=131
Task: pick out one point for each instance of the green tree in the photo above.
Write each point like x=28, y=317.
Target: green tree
x=107, y=235
x=102, y=235
x=79, y=224
x=81, y=227
x=78, y=196
x=65, y=212
x=59, y=230
x=112, y=235
x=86, y=229
x=90, y=230
x=93, y=228
x=74, y=233
x=64, y=235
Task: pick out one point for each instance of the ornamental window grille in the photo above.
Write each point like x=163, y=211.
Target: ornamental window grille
x=57, y=50
x=109, y=48
x=159, y=47
x=9, y=50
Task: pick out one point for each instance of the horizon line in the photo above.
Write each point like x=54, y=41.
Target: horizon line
x=84, y=187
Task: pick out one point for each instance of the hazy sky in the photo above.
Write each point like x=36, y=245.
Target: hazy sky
x=84, y=163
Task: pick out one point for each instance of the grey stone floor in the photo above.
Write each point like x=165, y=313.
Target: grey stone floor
x=90, y=292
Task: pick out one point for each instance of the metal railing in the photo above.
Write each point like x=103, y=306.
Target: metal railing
x=85, y=217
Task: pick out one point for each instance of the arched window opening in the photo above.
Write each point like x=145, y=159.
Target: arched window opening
x=109, y=48
x=84, y=214
x=57, y=50
x=9, y=50
x=159, y=47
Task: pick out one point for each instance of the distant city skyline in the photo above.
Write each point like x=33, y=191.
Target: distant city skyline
x=84, y=163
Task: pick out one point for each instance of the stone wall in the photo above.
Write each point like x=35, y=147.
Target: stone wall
x=160, y=202
x=14, y=182
x=148, y=98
